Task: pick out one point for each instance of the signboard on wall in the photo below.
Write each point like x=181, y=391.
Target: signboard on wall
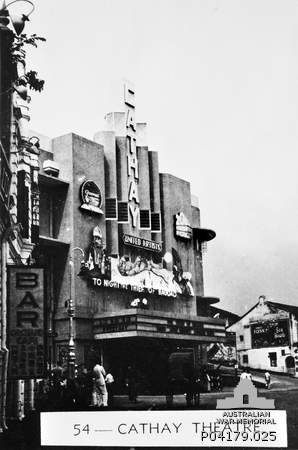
x=132, y=156
x=183, y=228
x=26, y=323
x=142, y=243
x=34, y=213
x=273, y=333
x=91, y=197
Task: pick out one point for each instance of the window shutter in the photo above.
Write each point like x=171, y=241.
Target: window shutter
x=155, y=223
x=122, y=212
x=111, y=209
x=145, y=219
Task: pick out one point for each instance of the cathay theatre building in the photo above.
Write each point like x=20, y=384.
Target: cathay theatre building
x=118, y=260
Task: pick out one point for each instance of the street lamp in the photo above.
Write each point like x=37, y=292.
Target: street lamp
x=71, y=315
x=18, y=20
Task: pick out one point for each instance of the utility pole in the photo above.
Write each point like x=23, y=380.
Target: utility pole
x=71, y=313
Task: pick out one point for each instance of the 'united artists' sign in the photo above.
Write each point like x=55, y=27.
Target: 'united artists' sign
x=144, y=244
x=26, y=322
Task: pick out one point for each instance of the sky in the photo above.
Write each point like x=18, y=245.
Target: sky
x=217, y=83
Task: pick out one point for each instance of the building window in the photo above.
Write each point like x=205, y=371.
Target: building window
x=241, y=337
x=47, y=225
x=245, y=399
x=51, y=206
x=283, y=352
x=23, y=204
x=273, y=359
x=245, y=359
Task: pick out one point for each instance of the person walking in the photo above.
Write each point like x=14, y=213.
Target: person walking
x=131, y=383
x=244, y=375
x=236, y=366
x=57, y=386
x=267, y=379
x=100, y=393
x=110, y=388
x=85, y=388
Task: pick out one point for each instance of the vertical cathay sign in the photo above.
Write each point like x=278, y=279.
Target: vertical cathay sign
x=132, y=158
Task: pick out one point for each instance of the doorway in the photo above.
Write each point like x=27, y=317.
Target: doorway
x=290, y=365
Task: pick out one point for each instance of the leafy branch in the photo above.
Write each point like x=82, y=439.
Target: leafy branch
x=18, y=55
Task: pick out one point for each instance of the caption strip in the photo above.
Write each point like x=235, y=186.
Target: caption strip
x=216, y=428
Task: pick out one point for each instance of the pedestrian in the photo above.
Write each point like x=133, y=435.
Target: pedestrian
x=131, y=383
x=188, y=382
x=267, y=379
x=85, y=387
x=100, y=393
x=110, y=388
x=208, y=382
x=57, y=386
x=244, y=375
x=170, y=389
x=236, y=366
x=218, y=381
x=197, y=387
x=193, y=388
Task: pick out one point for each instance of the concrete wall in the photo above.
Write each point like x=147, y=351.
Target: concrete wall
x=79, y=160
x=198, y=280
x=258, y=358
x=171, y=204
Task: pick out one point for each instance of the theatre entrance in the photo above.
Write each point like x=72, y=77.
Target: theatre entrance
x=146, y=358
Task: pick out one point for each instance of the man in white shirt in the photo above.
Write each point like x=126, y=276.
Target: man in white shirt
x=100, y=393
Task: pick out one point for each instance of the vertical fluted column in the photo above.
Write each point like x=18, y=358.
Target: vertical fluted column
x=122, y=184
x=107, y=139
x=154, y=191
x=144, y=192
x=143, y=180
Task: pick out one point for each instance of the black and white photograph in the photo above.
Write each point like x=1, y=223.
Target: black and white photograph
x=148, y=224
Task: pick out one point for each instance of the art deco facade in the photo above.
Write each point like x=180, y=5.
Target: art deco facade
x=134, y=236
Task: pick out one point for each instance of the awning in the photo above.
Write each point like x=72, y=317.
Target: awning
x=203, y=234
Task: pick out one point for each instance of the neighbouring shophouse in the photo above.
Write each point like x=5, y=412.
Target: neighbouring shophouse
x=18, y=203
x=120, y=245
x=267, y=337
